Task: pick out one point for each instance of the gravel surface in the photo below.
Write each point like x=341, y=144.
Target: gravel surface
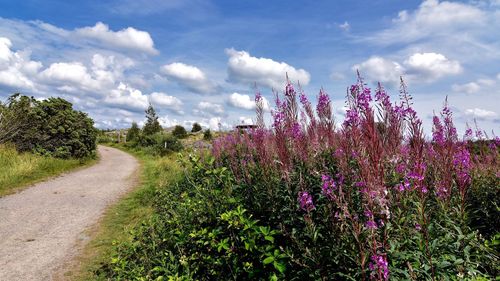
x=42, y=227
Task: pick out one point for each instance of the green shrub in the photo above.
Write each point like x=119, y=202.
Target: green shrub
x=52, y=127
x=152, y=125
x=179, y=132
x=207, y=135
x=133, y=133
x=196, y=128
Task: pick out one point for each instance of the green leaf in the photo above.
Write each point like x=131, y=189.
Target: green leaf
x=269, y=238
x=279, y=266
x=268, y=260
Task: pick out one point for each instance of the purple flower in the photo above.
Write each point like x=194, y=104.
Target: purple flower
x=379, y=266
x=258, y=97
x=371, y=225
x=303, y=99
x=296, y=131
x=306, y=201
x=328, y=186
x=418, y=227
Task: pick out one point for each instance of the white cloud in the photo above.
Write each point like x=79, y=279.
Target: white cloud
x=246, y=120
x=345, y=26
x=17, y=70
x=337, y=76
x=419, y=66
x=432, y=18
x=212, y=108
x=128, y=38
x=431, y=66
x=245, y=102
x=125, y=96
x=246, y=69
x=165, y=101
x=190, y=76
x=469, y=88
x=380, y=69
x=480, y=113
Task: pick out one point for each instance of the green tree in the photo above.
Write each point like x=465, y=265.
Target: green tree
x=134, y=132
x=50, y=126
x=152, y=125
x=179, y=132
x=196, y=128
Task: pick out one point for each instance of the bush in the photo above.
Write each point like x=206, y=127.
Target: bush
x=133, y=133
x=159, y=144
x=196, y=128
x=51, y=127
x=207, y=135
x=179, y=132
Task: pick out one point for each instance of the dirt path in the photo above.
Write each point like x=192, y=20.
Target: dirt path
x=41, y=226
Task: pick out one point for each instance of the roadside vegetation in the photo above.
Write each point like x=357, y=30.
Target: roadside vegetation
x=40, y=139
x=22, y=169
x=306, y=199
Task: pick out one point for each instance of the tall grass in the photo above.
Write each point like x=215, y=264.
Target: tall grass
x=22, y=169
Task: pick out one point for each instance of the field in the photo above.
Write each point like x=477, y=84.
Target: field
x=22, y=169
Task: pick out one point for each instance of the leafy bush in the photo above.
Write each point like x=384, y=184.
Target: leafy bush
x=50, y=127
x=133, y=133
x=159, y=144
x=196, y=128
x=207, y=135
x=179, y=132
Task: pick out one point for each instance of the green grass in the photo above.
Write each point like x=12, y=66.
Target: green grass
x=122, y=217
x=19, y=170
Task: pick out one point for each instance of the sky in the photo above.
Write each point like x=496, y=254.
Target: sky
x=199, y=60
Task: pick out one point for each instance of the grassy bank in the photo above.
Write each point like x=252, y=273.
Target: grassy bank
x=19, y=170
x=124, y=216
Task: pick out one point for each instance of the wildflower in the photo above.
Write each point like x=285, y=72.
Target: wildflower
x=418, y=227
x=296, y=131
x=371, y=225
x=379, y=266
x=306, y=201
x=328, y=186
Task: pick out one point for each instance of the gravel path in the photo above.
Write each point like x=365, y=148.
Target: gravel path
x=42, y=226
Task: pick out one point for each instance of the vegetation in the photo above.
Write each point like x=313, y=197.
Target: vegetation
x=47, y=127
x=152, y=125
x=179, y=132
x=22, y=169
x=196, y=128
x=305, y=200
x=207, y=135
x=133, y=133
x=121, y=220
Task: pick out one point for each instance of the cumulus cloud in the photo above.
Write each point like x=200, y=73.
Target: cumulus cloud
x=17, y=70
x=163, y=100
x=243, y=68
x=245, y=101
x=189, y=76
x=419, y=66
x=205, y=107
x=432, y=18
x=125, y=96
x=380, y=69
x=480, y=113
x=127, y=38
x=432, y=66
x=469, y=88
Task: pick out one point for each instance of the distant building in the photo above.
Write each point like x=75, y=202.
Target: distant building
x=245, y=127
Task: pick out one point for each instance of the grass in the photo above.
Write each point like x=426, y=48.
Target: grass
x=19, y=170
x=122, y=217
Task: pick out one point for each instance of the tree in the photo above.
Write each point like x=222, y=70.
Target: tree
x=134, y=132
x=179, y=132
x=196, y=128
x=152, y=125
x=49, y=126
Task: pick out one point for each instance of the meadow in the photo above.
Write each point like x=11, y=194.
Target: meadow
x=308, y=199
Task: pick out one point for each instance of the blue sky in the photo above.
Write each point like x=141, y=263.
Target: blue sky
x=196, y=60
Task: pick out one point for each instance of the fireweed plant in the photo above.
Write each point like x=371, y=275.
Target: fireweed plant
x=371, y=198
